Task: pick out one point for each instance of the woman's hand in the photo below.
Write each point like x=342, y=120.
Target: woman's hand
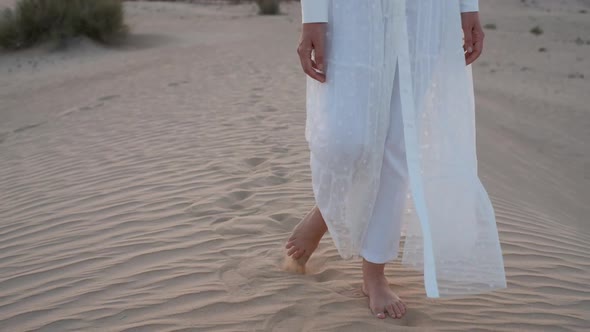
x=473, y=36
x=313, y=37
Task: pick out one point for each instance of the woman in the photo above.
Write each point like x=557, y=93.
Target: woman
x=390, y=127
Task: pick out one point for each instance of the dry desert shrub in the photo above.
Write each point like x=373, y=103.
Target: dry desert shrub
x=268, y=7
x=34, y=21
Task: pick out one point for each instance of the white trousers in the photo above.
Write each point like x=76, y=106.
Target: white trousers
x=381, y=241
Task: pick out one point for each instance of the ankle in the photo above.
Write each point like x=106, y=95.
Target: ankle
x=373, y=272
x=318, y=222
x=317, y=228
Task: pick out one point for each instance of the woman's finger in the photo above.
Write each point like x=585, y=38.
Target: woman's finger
x=292, y=251
x=477, y=49
x=306, y=63
x=318, y=54
x=468, y=41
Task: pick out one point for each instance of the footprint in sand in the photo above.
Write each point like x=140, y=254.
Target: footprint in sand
x=255, y=98
x=3, y=136
x=233, y=199
x=86, y=108
x=279, y=149
x=350, y=292
x=237, y=284
x=109, y=97
x=269, y=109
x=175, y=84
x=255, y=161
x=27, y=127
x=279, y=171
x=576, y=75
x=285, y=218
x=99, y=103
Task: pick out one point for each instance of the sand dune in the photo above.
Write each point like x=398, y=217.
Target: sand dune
x=150, y=187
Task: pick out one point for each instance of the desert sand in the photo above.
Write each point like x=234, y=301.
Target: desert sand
x=151, y=186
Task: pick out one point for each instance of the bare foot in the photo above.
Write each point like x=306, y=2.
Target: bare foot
x=382, y=300
x=304, y=240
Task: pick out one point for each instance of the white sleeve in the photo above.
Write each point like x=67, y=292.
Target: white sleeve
x=313, y=11
x=469, y=6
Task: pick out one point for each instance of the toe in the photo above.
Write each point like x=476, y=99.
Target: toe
x=398, y=313
x=378, y=312
x=391, y=311
x=291, y=251
x=402, y=307
x=299, y=254
x=289, y=245
x=399, y=309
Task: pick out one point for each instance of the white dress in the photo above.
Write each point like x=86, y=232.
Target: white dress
x=449, y=225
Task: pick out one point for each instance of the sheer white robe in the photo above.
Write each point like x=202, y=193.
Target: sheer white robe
x=449, y=225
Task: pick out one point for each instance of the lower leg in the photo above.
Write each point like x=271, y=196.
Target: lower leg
x=382, y=300
x=304, y=240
